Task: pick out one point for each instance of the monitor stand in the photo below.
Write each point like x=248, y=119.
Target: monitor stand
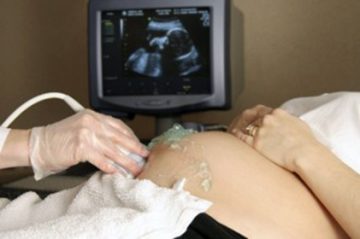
x=163, y=123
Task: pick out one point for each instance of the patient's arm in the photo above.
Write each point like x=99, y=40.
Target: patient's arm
x=250, y=194
x=291, y=143
x=338, y=186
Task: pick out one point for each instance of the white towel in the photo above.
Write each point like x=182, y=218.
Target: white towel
x=335, y=120
x=106, y=206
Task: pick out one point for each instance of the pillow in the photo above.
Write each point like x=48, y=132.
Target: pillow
x=335, y=121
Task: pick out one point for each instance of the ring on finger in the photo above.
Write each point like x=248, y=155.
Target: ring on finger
x=251, y=130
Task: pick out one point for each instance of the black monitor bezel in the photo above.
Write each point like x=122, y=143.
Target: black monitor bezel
x=162, y=104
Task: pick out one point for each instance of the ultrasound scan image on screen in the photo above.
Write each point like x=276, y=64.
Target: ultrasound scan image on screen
x=156, y=51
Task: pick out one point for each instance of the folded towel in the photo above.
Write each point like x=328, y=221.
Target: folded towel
x=335, y=121
x=106, y=206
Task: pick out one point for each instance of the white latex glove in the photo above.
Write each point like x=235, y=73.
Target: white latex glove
x=85, y=136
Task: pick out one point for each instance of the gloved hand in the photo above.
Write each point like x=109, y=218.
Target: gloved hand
x=85, y=136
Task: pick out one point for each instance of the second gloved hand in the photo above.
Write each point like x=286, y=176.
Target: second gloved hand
x=85, y=136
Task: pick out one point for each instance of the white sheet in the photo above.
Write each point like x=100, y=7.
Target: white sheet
x=105, y=206
x=335, y=120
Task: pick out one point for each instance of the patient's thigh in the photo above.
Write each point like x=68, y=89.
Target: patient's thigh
x=250, y=194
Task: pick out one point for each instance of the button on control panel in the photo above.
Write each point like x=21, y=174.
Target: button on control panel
x=155, y=102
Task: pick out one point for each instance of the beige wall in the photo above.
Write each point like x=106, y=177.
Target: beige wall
x=289, y=48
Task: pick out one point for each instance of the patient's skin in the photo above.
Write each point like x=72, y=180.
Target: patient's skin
x=250, y=194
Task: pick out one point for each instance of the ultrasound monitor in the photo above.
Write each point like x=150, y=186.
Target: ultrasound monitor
x=159, y=57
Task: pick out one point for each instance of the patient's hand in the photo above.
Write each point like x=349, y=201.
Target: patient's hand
x=252, y=116
x=284, y=138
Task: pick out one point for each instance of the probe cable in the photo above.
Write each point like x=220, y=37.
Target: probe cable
x=76, y=106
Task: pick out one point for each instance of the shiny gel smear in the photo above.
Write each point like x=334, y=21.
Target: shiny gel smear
x=193, y=153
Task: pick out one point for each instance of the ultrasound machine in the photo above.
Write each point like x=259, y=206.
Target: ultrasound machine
x=162, y=58
x=159, y=57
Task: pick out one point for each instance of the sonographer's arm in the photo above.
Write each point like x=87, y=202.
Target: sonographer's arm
x=15, y=152
x=290, y=143
x=85, y=136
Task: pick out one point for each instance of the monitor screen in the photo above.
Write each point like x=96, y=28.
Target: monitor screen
x=159, y=51
x=159, y=56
